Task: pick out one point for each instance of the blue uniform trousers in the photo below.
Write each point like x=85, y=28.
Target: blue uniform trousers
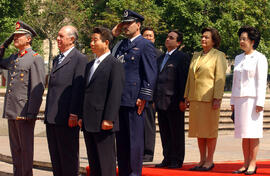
x=130, y=142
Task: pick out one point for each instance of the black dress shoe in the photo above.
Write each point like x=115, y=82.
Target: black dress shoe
x=195, y=168
x=251, y=172
x=207, y=168
x=162, y=164
x=174, y=165
x=239, y=171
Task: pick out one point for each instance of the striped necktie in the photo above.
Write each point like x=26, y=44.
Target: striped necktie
x=60, y=58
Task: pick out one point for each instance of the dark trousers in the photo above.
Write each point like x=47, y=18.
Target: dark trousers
x=101, y=153
x=21, y=139
x=149, y=131
x=63, y=145
x=172, y=133
x=130, y=142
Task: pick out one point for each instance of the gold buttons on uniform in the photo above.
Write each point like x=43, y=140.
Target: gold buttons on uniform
x=11, y=78
x=21, y=79
x=15, y=66
x=21, y=74
x=9, y=91
x=10, y=84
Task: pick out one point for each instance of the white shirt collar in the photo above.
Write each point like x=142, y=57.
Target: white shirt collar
x=102, y=57
x=132, y=39
x=68, y=51
x=170, y=53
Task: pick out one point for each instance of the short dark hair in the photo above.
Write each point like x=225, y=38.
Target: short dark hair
x=215, y=35
x=253, y=34
x=147, y=29
x=179, y=35
x=139, y=21
x=105, y=33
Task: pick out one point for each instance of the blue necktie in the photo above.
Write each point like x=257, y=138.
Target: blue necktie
x=164, y=61
x=60, y=58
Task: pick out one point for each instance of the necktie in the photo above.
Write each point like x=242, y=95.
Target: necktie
x=164, y=61
x=93, y=69
x=60, y=58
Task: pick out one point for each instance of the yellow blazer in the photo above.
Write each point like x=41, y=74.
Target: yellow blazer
x=206, y=78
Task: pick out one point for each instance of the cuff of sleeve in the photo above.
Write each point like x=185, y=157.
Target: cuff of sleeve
x=146, y=94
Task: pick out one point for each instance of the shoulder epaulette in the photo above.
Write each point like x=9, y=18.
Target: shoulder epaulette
x=35, y=54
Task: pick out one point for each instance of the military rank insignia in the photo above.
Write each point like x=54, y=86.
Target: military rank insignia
x=121, y=59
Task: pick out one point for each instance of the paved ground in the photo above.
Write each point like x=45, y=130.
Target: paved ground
x=228, y=149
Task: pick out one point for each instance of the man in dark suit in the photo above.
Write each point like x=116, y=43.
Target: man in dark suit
x=169, y=101
x=150, y=120
x=104, y=81
x=26, y=79
x=139, y=59
x=63, y=106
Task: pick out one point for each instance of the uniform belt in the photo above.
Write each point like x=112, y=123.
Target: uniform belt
x=29, y=118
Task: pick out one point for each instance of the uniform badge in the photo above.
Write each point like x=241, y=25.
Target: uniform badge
x=23, y=53
x=125, y=13
x=121, y=59
x=18, y=25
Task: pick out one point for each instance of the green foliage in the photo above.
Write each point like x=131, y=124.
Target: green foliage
x=188, y=16
x=10, y=11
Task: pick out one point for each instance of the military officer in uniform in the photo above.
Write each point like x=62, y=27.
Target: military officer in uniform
x=26, y=78
x=139, y=59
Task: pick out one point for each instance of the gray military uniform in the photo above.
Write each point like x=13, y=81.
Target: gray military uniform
x=25, y=86
x=26, y=77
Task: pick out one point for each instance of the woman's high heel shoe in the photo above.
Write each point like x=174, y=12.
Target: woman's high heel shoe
x=240, y=171
x=251, y=172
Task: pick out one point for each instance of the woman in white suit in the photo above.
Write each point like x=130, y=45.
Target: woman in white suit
x=248, y=95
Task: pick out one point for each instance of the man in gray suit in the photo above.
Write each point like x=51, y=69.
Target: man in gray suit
x=23, y=98
x=64, y=103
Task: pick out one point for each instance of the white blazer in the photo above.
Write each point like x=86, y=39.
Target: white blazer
x=250, y=77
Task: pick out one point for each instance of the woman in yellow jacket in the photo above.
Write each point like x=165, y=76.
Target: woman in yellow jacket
x=203, y=94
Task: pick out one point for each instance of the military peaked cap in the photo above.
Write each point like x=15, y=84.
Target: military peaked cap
x=130, y=16
x=23, y=28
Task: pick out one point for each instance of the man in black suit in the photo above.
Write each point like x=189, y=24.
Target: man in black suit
x=150, y=120
x=63, y=106
x=169, y=101
x=104, y=81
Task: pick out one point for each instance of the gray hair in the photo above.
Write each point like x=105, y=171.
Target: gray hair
x=73, y=33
